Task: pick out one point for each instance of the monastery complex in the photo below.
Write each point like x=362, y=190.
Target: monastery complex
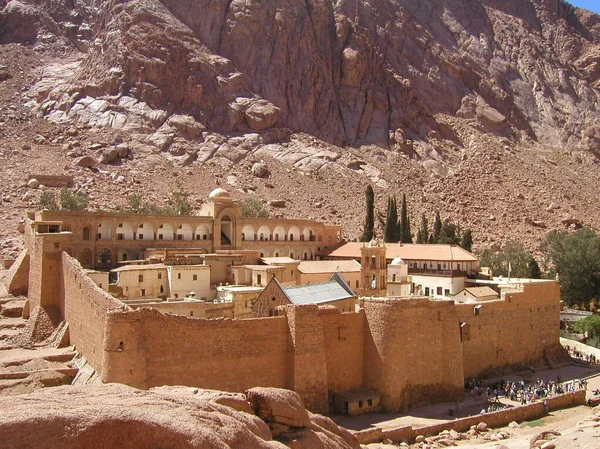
x=225, y=302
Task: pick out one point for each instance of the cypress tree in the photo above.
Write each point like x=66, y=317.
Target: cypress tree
x=423, y=232
x=437, y=228
x=405, y=234
x=466, y=242
x=370, y=215
x=534, y=269
x=391, y=222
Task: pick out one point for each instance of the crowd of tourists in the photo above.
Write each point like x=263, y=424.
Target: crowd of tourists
x=521, y=391
x=573, y=352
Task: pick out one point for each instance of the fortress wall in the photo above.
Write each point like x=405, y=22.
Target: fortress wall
x=85, y=308
x=308, y=367
x=413, y=354
x=344, y=348
x=145, y=348
x=516, y=330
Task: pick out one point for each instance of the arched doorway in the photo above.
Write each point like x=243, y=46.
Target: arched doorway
x=226, y=231
x=104, y=259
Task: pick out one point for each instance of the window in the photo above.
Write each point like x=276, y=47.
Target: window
x=160, y=236
x=141, y=278
x=143, y=292
x=426, y=291
x=140, y=236
x=446, y=292
x=195, y=277
x=120, y=236
x=258, y=279
x=357, y=284
x=394, y=277
x=162, y=289
x=86, y=233
x=439, y=291
x=205, y=237
x=191, y=313
x=178, y=275
x=179, y=236
x=159, y=275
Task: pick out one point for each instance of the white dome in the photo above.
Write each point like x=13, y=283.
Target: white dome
x=219, y=194
x=397, y=261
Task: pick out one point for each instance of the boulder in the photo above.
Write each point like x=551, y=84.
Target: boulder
x=110, y=155
x=262, y=115
x=86, y=161
x=33, y=183
x=276, y=405
x=276, y=203
x=481, y=427
x=260, y=170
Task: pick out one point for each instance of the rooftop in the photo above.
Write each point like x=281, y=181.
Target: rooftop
x=320, y=293
x=329, y=266
x=407, y=252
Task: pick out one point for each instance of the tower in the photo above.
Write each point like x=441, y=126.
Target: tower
x=373, y=269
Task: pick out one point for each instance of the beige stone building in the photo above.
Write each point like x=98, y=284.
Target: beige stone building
x=334, y=292
x=102, y=239
x=432, y=270
x=313, y=271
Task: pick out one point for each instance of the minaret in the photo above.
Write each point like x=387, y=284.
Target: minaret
x=373, y=269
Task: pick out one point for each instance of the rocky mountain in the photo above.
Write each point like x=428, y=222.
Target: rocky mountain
x=485, y=110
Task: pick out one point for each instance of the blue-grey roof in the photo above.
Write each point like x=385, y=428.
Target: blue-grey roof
x=320, y=293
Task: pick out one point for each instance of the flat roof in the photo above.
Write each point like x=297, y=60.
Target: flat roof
x=481, y=291
x=279, y=260
x=154, y=266
x=407, y=251
x=329, y=266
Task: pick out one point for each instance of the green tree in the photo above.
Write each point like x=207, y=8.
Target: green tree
x=514, y=255
x=534, y=269
x=70, y=200
x=590, y=324
x=449, y=234
x=423, y=232
x=48, y=201
x=254, y=208
x=136, y=204
x=576, y=259
x=390, y=231
x=405, y=233
x=437, y=228
x=370, y=215
x=179, y=200
x=466, y=241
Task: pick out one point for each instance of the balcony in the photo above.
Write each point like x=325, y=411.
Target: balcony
x=436, y=272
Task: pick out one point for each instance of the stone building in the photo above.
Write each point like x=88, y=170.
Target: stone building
x=434, y=270
x=102, y=239
x=334, y=292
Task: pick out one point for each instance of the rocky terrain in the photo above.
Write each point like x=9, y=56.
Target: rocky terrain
x=485, y=110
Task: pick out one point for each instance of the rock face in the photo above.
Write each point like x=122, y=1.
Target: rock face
x=386, y=72
x=175, y=417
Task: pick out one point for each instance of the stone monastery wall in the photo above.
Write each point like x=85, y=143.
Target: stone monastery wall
x=412, y=351
x=85, y=308
x=146, y=348
x=520, y=329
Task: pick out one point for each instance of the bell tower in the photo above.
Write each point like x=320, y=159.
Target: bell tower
x=373, y=269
